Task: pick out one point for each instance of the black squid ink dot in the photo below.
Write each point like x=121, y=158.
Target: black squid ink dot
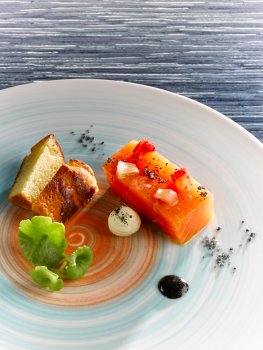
x=172, y=286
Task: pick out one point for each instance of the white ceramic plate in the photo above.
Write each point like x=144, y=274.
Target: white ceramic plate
x=118, y=306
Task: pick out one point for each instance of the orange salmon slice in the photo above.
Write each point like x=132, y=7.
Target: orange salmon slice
x=194, y=208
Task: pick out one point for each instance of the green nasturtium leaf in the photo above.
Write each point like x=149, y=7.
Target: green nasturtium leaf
x=46, y=278
x=42, y=241
x=79, y=262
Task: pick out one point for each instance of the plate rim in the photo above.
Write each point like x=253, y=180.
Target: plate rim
x=247, y=134
x=195, y=104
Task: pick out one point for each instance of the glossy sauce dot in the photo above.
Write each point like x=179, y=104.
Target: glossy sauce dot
x=173, y=286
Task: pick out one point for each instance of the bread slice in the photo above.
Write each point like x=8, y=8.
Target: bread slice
x=71, y=188
x=36, y=170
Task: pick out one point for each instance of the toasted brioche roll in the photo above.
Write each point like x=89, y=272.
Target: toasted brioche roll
x=36, y=170
x=70, y=189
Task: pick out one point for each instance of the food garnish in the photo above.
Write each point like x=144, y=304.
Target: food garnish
x=124, y=221
x=46, y=278
x=43, y=243
x=173, y=286
x=125, y=168
x=78, y=263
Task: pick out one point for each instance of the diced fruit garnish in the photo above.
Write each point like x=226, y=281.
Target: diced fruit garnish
x=181, y=180
x=166, y=195
x=125, y=169
x=143, y=147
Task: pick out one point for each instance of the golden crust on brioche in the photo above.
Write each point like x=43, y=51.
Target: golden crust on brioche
x=36, y=170
x=70, y=189
x=48, y=186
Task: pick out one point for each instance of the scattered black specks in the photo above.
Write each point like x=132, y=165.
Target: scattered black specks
x=223, y=257
x=87, y=140
x=203, y=194
x=121, y=214
x=251, y=236
x=209, y=243
x=161, y=181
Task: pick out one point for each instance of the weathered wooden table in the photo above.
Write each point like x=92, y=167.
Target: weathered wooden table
x=208, y=50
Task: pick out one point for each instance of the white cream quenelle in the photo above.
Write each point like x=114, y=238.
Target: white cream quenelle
x=124, y=221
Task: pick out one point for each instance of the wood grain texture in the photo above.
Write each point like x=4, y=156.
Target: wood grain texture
x=209, y=50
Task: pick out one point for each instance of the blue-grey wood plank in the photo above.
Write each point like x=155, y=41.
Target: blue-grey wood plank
x=208, y=50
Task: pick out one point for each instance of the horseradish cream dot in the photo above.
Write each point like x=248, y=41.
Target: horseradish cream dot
x=124, y=221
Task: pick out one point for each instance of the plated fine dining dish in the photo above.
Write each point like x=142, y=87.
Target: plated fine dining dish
x=120, y=303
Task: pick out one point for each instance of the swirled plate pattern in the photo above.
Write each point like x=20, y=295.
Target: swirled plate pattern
x=116, y=305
